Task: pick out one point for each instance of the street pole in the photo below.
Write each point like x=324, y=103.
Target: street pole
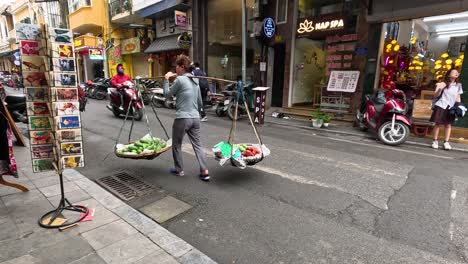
x=244, y=42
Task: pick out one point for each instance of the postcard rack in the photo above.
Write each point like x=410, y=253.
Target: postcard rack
x=50, y=81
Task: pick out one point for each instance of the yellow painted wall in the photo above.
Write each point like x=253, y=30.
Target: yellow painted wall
x=22, y=14
x=94, y=15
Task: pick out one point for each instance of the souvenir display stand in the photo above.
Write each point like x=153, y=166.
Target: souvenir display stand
x=49, y=74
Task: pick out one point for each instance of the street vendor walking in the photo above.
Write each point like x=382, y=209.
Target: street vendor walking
x=187, y=120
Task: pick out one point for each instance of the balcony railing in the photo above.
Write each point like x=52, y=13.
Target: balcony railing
x=74, y=5
x=120, y=6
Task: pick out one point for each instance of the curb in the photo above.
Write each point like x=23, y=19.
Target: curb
x=182, y=251
x=321, y=130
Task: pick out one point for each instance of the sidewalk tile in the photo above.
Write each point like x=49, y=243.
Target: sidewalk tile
x=73, y=197
x=72, y=175
x=128, y=250
x=158, y=257
x=26, y=216
x=90, y=259
x=195, y=257
x=54, y=190
x=33, y=241
x=165, y=209
x=48, y=181
x=19, y=199
x=102, y=216
x=28, y=173
x=169, y=242
x=8, y=230
x=107, y=199
x=109, y=234
x=136, y=219
x=65, y=251
x=26, y=259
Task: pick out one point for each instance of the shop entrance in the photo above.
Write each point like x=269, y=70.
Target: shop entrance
x=278, y=76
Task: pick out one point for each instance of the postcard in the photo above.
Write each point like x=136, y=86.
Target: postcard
x=38, y=109
x=42, y=151
x=41, y=137
x=65, y=79
x=40, y=165
x=37, y=94
x=71, y=162
x=39, y=123
x=64, y=65
x=71, y=148
x=67, y=122
x=28, y=32
x=31, y=48
x=60, y=35
x=65, y=94
x=62, y=50
x=69, y=135
x=34, y=63
x=36, y=79
x=66, y=108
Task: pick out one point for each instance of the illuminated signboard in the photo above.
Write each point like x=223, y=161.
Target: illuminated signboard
x=96, y=54
x=321, y=26
x=269, y=27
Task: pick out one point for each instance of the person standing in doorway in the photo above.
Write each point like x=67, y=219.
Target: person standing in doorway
x=449, y=92
x=187, y=121
x=204, y=88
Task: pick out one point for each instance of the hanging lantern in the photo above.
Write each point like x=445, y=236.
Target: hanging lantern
x=396, y=48
x=411, y=68
x=449, y=67
x=445, y=55
x=449, y=61
x=389, y=46
x=418, y=68
x=458, y=61
x=438, y=62
x=438, y=66
x=391, y=62
x=394, y=42
x=462, y=56
x=413, y=40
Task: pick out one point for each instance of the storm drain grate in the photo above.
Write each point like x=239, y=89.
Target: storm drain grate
x=124, y=185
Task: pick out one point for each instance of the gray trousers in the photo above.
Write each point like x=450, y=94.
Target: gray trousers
x=191, y=127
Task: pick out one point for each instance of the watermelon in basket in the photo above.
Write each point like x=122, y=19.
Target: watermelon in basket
x=244, y=154
x=146, y=148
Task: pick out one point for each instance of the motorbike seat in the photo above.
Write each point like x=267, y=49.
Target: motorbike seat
x=379, y=107
x=113, y=90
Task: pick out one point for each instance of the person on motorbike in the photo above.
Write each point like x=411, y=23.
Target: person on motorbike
x=118, y=82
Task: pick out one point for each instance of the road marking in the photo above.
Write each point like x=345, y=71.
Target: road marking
x=187, y=148
x=453, y=195
x=389, y=148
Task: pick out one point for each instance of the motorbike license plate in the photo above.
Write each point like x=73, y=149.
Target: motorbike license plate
x=226, y=102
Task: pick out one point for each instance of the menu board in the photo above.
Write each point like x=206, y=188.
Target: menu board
x=50, y=81
x=343, y=81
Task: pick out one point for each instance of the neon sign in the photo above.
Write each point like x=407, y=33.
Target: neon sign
x=320, y=26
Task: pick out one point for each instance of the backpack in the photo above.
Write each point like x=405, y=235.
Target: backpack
x=437, y=98
x=204, y=86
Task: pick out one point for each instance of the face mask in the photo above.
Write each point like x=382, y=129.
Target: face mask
x=120, y=71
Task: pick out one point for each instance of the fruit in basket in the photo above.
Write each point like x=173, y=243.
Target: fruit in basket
x=144, y=145
x=251, y=151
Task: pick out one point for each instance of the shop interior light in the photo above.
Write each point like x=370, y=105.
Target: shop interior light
x=450, y=35
x=420, y=55
x=446, y=17
x=450, y=32
x=432, y=60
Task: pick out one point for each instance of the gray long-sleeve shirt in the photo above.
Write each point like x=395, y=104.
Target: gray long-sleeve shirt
x=188, y=97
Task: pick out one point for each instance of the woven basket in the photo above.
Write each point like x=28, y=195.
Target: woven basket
x=147, y=156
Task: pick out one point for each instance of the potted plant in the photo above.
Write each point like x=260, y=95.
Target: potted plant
x=317, y=118
x=326, y=119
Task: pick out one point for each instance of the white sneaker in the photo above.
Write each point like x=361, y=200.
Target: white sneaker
x=447, y=146
x=204, y=119
x=435, y=145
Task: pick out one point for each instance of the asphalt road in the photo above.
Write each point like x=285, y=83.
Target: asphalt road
x=319, y=197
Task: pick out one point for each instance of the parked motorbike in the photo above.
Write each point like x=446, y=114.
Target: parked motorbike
x=159, y=100
x=100, y=89
x=132, y=100
x=385, y=113
x=246, y=94
x=16, y=102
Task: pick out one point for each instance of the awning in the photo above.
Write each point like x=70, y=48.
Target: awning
x=164, y=44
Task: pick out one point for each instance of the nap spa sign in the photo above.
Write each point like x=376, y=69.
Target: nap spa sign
x=316, y=27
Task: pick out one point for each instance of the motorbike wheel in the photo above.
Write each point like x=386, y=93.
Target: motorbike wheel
x=146, y=99
x=358, y=123
x=115, y=111
x=400, y=136
x=157, y=103
x=100, y=96
x=137, y=114
x=219, y=111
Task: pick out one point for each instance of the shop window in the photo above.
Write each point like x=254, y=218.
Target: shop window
x=281, y=11
x=26, y=21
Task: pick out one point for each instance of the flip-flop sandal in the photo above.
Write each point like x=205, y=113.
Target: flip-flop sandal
x=176, y=172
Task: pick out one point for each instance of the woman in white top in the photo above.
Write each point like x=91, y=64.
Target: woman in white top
x=449, y=91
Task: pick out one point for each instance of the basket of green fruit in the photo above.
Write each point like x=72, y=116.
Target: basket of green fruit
x=146, y=148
